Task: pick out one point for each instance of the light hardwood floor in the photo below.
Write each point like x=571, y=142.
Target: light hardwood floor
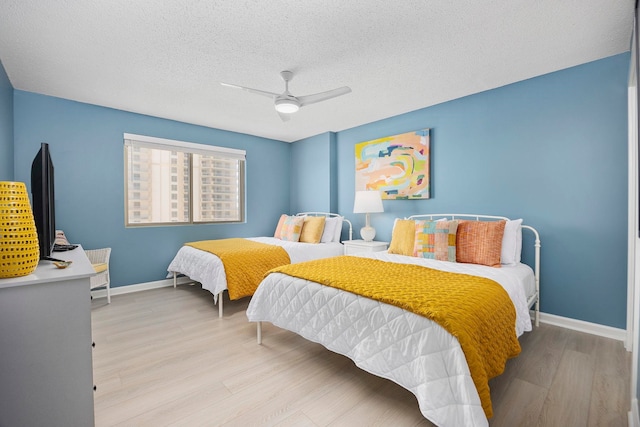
x=163, y=357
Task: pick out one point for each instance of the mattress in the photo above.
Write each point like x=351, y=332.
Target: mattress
x=388, y=341
x=206, y=268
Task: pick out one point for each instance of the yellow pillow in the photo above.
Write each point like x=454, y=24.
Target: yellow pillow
x=312, y=229
x=403, y=237
x=100, y=267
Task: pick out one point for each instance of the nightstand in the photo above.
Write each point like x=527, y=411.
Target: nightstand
x=356, y=246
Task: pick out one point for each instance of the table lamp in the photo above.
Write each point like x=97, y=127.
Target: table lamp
x=367, y=202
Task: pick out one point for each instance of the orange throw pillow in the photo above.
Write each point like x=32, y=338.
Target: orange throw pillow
x=480, y=242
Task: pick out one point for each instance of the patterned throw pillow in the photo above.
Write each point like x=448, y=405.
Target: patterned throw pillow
x=402, y=237
x=283, y=217
x=435, y=240
x=480, y=242
x=291, y=228
x=312, y=229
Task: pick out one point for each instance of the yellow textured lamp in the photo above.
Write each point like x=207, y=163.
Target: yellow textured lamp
x=19, y=250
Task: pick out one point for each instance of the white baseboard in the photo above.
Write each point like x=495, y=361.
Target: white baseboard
x=582, y=326
x=634, y=418
x=120, y=290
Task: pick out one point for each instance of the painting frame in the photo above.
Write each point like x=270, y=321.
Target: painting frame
x=398, y=166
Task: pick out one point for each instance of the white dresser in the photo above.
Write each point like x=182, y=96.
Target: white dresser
x=46, y=374
x=358, y=246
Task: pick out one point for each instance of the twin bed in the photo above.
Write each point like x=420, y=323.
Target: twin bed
x=208, y=269
x=391, y=342
x=445, y=364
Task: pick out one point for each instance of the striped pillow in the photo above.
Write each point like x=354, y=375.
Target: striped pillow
x=435, y=240
x=291, y=228
x=480, y=242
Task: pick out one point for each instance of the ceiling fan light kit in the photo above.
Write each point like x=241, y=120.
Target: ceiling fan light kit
x=287, y=106
x=285, y=103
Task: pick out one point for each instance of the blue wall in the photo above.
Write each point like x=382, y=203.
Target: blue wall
x=311, y=167
x=6, y=127
x=87, y=149
x=551, y=150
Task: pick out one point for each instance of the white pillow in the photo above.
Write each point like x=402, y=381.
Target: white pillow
x=329, y=230
x=519, y=245
x=511, y=243
x=338, y=230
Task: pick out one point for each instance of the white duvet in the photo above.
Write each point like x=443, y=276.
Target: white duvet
x=390, y=342
x=206, y=268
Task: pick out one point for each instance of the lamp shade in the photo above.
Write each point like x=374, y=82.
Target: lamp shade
x=367, y=202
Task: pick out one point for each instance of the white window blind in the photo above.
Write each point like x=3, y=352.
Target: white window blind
x=177, y=182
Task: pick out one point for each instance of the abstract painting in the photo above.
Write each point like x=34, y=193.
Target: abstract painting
x=397, y=166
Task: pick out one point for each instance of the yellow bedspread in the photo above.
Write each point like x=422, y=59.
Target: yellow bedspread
x=245, y=262
x=477, y=311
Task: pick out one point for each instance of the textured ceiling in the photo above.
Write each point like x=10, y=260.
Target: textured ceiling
x=167, y=58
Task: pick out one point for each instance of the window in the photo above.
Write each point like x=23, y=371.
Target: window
x=166, y=195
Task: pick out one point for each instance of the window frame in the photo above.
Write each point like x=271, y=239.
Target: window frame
x=189, y=148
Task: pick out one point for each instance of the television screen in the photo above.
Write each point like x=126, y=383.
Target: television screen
x=42, y=192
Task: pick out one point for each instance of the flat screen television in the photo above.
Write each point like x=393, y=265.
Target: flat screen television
x=43, y=197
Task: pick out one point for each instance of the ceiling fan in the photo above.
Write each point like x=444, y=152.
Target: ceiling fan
x=285, y=103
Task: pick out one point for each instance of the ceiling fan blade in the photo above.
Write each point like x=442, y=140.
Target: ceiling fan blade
x=323, y=96
x=247, y=89
x=284, y=117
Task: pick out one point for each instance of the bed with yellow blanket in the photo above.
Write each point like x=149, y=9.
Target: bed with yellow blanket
x=440, y=329
x=237, y=265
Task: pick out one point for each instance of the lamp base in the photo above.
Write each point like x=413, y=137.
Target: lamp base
x=367, y=233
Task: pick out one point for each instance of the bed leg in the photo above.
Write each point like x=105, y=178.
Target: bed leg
x=220, y=304
x=175, y=279
x=259, y=332
x=537, y=313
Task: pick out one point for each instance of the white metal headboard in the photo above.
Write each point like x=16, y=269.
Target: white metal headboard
x=534, y=299
x=475, y=217
x=331, y=215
